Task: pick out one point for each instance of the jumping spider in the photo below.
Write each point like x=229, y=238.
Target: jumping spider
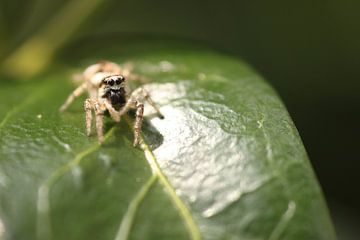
x=108, y=91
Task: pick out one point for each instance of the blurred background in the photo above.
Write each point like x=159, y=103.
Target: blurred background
x=308, y=50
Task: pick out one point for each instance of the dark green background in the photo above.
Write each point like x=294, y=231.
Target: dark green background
x=309, y=51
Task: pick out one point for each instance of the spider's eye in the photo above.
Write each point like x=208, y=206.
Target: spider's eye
x=111, y=82
x=117, y=81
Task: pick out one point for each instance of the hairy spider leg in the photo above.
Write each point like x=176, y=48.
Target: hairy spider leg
x=100, y=125
x=88, y=106
x=99, y=110
x=75, y=94
x=138, y=122
x=151, y=102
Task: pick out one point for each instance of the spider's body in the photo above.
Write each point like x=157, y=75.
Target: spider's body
x=106, y=85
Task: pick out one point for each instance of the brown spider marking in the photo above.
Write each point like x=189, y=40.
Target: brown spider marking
x=107, y=87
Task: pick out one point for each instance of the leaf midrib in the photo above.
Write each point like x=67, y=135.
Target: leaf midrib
x=184, y=212
x=43, y=229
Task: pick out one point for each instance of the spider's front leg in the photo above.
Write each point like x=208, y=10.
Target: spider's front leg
x=100, y=125
x=151, y=102
x=141, y=93
x=134, y=103
x=138, y=122
x=88, y=106
x=99, y=112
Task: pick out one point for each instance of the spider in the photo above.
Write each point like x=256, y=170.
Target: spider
x=107, y=87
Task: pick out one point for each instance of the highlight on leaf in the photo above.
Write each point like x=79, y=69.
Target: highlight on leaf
x=225, y=162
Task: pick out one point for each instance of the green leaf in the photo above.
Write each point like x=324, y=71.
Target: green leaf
x=225, y=163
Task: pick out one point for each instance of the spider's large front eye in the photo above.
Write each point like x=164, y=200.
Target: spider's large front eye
x=117, y=81
x=111, y=82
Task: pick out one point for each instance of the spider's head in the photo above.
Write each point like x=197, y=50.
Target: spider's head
x=113, y=82
x=113, y=88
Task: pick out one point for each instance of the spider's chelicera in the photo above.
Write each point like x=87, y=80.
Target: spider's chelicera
x=114, y=90
x=106, y=84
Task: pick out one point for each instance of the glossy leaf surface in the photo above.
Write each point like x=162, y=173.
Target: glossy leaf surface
x=225, y=163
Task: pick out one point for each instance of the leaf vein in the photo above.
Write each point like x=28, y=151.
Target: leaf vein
x=284, y=220
x=128, y=219
x=43, y=200
x=291, y=208
x=190, y=223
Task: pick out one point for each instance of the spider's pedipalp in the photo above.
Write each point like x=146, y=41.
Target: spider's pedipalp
x=113, y=113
